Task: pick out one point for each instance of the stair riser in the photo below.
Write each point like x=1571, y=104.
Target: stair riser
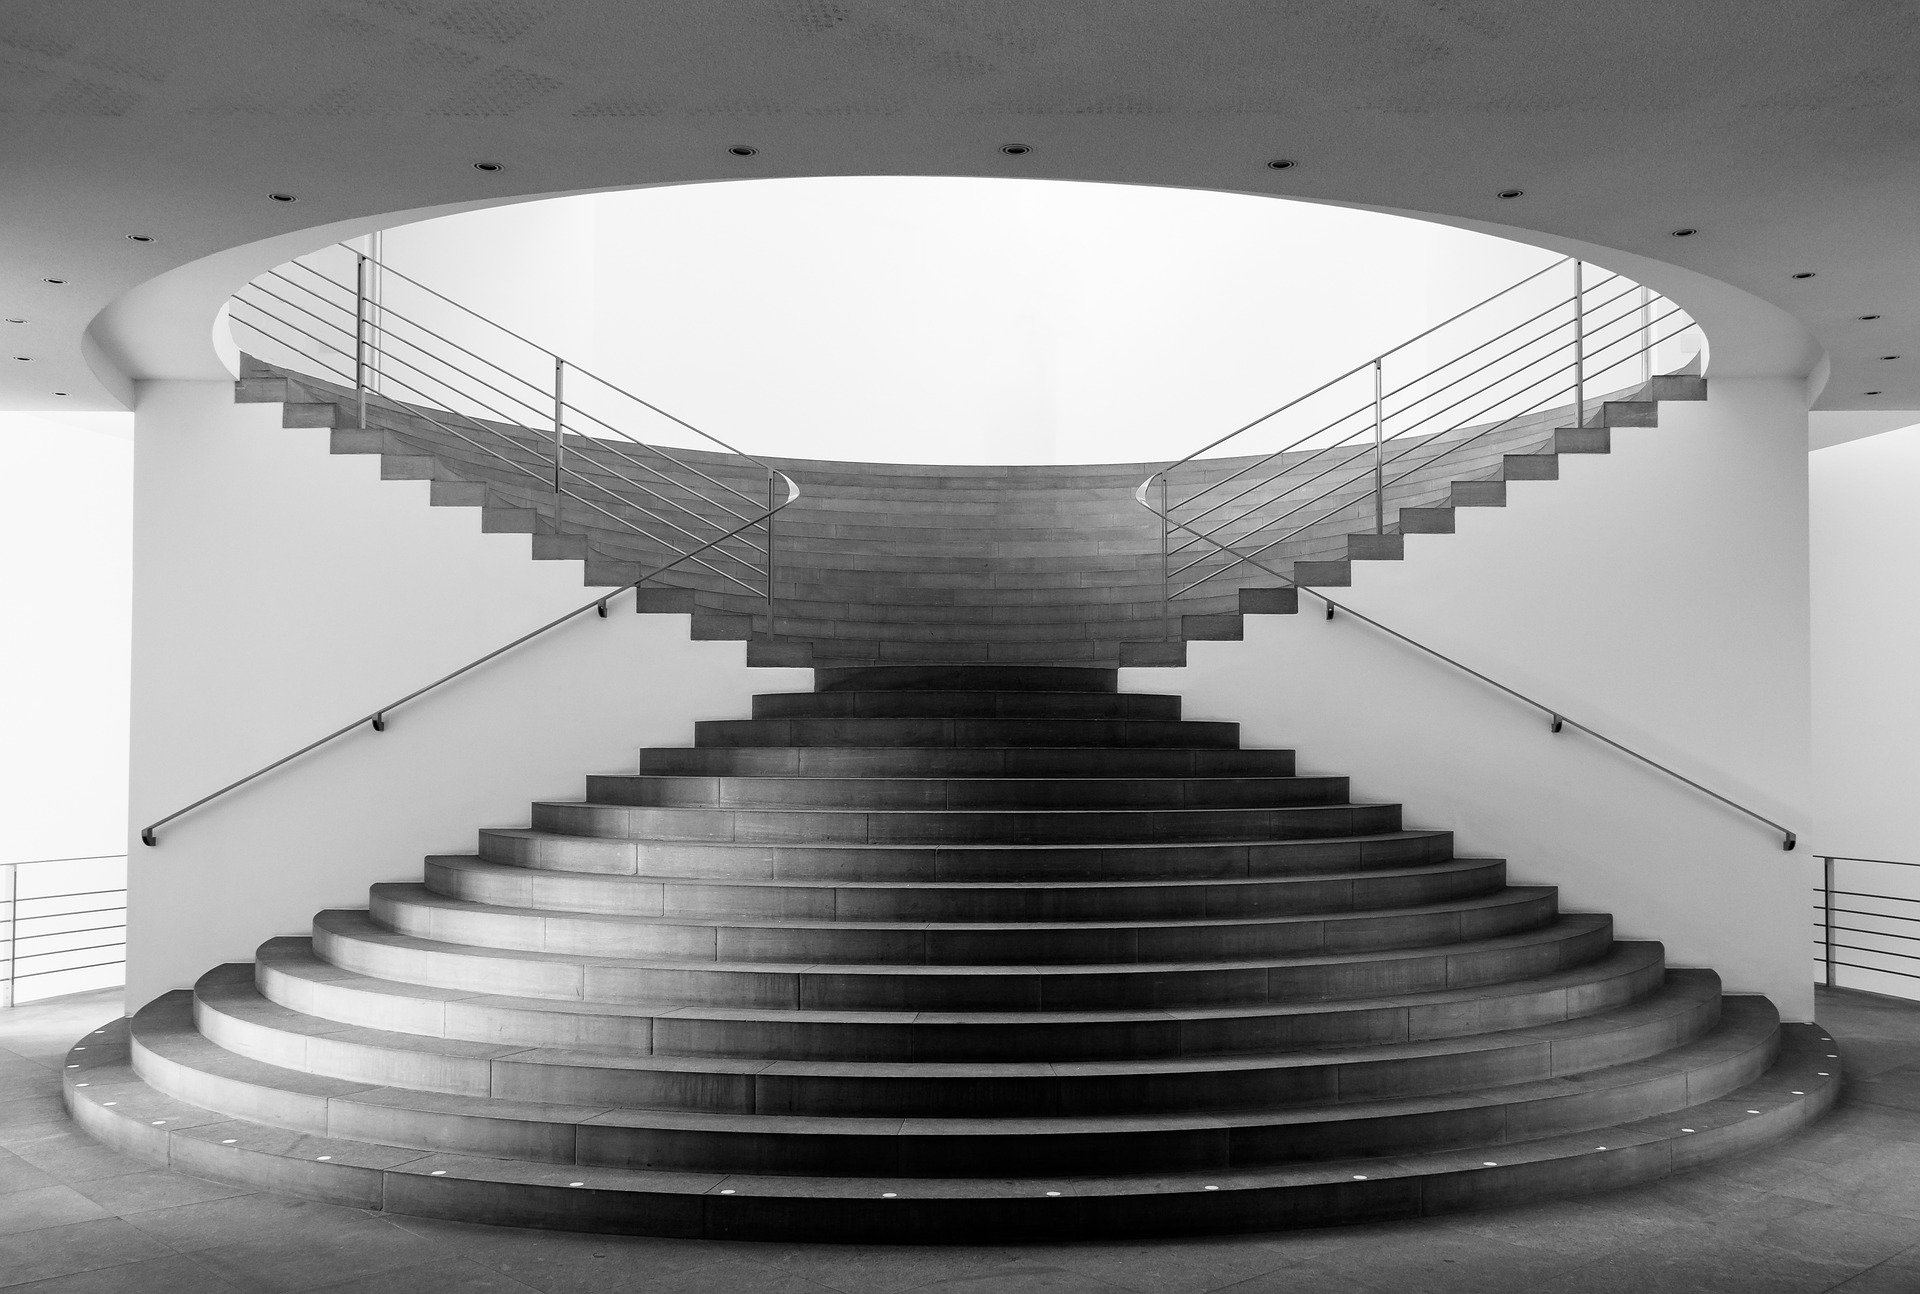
x=926, y=902
x=1052, y=945
x=881, y=1094
x=959, y=826
x=883, y=1039
x=964, y=732
x=966, y=705
x=960, y=761
x=967, y=680
x=965, y=793
x=1061, y=988
x=1191, y=861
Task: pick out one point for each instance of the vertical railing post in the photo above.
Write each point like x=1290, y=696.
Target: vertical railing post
x=1166, y=562
x=1646, y=340
x=360, y=337
x=559, y=437
x=1826, y=892
x=770, y=513
x=1379, y=462
x=1579, y=345
x=13, y=928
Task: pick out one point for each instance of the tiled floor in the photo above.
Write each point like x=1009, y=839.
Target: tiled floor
x=1835, y=1209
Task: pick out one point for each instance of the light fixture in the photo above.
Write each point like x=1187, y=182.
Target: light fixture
x=1889, y=357
x=1685, y=233
x=1804, y=274
x=16, y=321
x=1868, y=318
x=139, y=238
x=1510, y=193
x=1015, y=150
x=1875, y=393
x=60, y=393
x=55, y=282
x=26, y=359
x=1281, y=164
x=284, y=197
x=743, y=150
x=488, y=167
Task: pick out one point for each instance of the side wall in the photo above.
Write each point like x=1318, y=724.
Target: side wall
x=1658, y=593
x=280, y=591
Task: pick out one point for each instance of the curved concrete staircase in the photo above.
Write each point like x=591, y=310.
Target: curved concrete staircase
x=952, y=952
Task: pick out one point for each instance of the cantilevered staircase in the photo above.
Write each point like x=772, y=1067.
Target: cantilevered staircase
x=965, y=943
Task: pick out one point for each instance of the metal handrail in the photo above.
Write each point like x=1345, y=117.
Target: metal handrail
x=377, y=719
x=14, y=956
x=1829, y=927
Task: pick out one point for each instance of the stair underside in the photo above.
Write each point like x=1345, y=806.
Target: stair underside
x=948, y=954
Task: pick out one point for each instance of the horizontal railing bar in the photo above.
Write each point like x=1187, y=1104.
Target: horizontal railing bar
x=149, y=835
x=76, y=912
x=1849, y=858
x=83, y=858
x=1859, y=930
x=70, y=894
x=20, y=937
x=1866, y=894
x=1878, y=952
x=83, y=948
x=71, y=970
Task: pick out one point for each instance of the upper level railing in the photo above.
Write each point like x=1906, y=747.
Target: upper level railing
x=1497, y=366
x=672, y=513
x=410, y=359
x=65, y=926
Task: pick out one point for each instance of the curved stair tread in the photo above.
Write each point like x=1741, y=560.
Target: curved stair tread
x=294, y=956
x=416, y=894
x=355, y=923
x=516, y=1191
x=1687, y=1000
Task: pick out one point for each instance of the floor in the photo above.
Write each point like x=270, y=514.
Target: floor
x=1835, y=1209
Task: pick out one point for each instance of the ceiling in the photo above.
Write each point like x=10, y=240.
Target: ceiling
x=1786, y=132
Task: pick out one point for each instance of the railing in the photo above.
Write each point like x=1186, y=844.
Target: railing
x=409, y=358
x=1544, y=369
x=59, y=938
x=673, y=512
x=1861, y=927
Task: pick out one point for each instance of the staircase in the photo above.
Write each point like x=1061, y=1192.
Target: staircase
x=952, y=952
x=900, y=563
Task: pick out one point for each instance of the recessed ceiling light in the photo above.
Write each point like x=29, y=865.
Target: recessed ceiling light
x=284, y=197
x=1868, y=318
x=1874, y=393
x=23, y=358
x=1281, y=163
x=1015, y=150
x=1685, y=233
x=1889, y=357
x=488, y=167
x=743, y=150
x=55, y=282
x=19, y=321
x=1804, y=274
x=139, y=238
x=1510, y=193
x=60, y=393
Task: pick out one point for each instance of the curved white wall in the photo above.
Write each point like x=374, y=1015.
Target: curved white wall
x=950, y=320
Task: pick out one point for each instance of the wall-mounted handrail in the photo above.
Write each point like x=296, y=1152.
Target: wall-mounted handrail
x=377, y=719
x=1559, y=718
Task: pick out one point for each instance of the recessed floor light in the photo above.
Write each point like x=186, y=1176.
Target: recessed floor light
x=1052, y=1195
x=743, y=150
x=284, y=197
x=1685, y=233
x=438, y=1172
x=1510, y=193
x=139, y=238
x=1211, y=1188
x=1281, y=164
x=1015, y=150
x=230, y=1141
x=488, y=167
x=1804, y=274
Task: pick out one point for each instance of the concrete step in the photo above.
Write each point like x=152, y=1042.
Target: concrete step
x=895, y=703
x=964, y=761
x=1212, y=734
x=878, y=792
x=354, y=941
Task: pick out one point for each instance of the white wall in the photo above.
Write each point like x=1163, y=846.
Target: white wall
x=280, y=592
x=1866, y=640
x=1658, y=593
x=65, y=579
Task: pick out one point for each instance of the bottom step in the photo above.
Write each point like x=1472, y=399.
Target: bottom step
x=110, y=1101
